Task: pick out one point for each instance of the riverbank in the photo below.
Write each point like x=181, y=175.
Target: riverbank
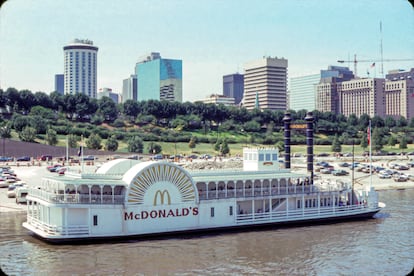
x=33, y=175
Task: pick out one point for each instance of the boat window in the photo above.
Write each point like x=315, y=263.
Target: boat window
x=274, y=157
x=230, y=210
x=267, y=156
x=95, y=220
x=212, y=211
x=261, y=157
x=299, y=204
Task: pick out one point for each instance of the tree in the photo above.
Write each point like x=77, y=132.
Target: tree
x=131, y=109
x=392, y=141
x=225, y=147
x=107, y=108
x=403, y=142
x=154, y=148
x=94, y=141
x=111, y=143
x=72, y=141
x=376, y=139
x=51, y=137
x=5, y=131
x=28, y=134
x=192, y=143
x=336, y=144
x=135, y=144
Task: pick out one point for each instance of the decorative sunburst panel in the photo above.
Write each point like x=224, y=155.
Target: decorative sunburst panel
x=159, y=177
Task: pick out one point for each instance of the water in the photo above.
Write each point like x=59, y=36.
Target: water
x=381, y=246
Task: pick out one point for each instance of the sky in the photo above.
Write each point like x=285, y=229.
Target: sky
x=212, y=37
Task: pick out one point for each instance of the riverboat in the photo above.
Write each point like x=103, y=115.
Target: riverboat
x=129, y=198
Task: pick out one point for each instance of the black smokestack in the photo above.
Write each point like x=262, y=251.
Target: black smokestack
x=287, y=119
x=309, y=143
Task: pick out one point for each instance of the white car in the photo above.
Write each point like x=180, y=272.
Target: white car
x=384, y=175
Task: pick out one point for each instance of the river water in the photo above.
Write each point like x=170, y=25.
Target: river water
x=380, y=246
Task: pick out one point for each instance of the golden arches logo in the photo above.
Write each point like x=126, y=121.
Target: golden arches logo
x=162, y=197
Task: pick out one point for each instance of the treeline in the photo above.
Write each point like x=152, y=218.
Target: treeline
x=34, y=115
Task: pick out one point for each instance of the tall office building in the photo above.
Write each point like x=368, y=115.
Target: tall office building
x=233, y=86
x=159, y=79
x=327, y=99
x=130, y=89
x=265, y=84
x=302, y=92
x=107, y=92
x=80, y=67
x=399, y=94
x=59, y=83
x=362, y=96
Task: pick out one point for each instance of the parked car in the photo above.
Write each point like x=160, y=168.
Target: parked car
x=11, y=191
x=5, y=159
x=23, y=158
x=45, y=157
x=54, y=168
x=88, y=158
x=21, y=193
x=400, y=177
x=339, y=172
x=384, y=175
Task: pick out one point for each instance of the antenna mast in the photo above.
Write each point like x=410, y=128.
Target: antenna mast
x=382, y=58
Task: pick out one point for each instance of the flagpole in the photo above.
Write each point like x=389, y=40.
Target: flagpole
x=82, y=160
x=370, y=156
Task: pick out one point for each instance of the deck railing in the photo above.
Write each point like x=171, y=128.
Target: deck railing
x=76, y=198
x=298, y=214
x=54, y=230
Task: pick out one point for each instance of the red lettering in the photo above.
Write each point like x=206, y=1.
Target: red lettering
x=161, y=213
x=153, y=214
x=128, y=216
x=177, y=213
x=185, y=211
x=136, y=216
x=195, y=211
x=170, y=213
x=144, y=214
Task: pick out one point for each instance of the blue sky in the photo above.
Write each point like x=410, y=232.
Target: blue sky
x=213, y=38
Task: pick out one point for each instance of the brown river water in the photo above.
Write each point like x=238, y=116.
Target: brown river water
x=380, y=246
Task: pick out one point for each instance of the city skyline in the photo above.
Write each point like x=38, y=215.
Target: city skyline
x=212, y=38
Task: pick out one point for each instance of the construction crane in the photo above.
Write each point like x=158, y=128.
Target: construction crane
x=355, y=61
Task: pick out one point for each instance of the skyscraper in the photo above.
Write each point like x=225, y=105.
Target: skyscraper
x=302, y=92
x=159, y=79
x=129, y=89
x=266, y=79
x=233, y=87
x=80, y=72
x=59, y=83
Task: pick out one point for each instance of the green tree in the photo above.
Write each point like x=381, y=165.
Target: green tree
x=28, y=134
x=94, y=141
x=376, y=139
x=154, y=148
x=72, y=141
x=135, y=144
x=392, y=141
x=336, y=144
x=192, y=143
x=225, y=147
x=5, y=131
x=111, y=143
x=51, y=137
x=403, y=142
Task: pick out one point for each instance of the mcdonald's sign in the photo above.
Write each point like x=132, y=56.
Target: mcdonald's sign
x=162, y=196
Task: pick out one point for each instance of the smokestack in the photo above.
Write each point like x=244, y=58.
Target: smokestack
x=287, y=119
x=309, y=143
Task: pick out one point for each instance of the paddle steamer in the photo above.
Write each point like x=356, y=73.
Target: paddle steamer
x=128, y=198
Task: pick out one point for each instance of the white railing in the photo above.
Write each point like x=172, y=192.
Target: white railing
x=76, y=198
x=53, y=230
x=311, y=213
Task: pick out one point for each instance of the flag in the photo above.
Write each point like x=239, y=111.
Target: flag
x=373, y=65
x=368, y=135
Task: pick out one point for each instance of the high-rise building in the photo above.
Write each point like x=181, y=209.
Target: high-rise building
x=219, y=99
x=302, y=92
x=399, y=94
x=265, y=81
x=107, y=92
x=362, y=96
x=327, y=99
x=130, y=89
x=233, y=87
x=59, y=83
x=80, y=67
x=159, y=79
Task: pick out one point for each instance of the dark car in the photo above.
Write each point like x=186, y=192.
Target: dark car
x=5, y=159
x=89, y=158
x=23, y=158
